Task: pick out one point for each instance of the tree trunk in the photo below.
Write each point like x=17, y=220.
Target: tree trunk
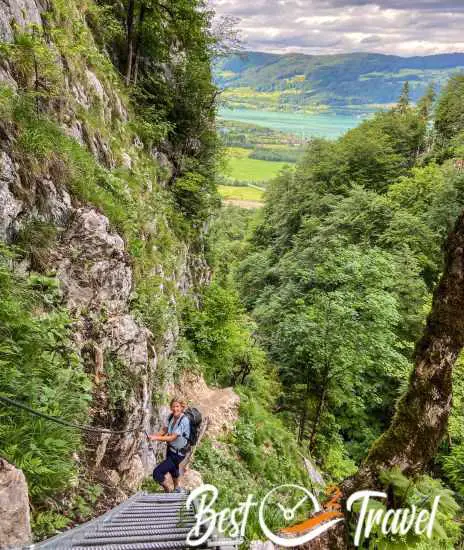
x=422, y=413
x=138, y=41
x=320, y=408
x=130, y=39
x=420, y=421
x=304, y=408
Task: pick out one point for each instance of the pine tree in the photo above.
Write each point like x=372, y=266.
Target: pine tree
x=404, y=100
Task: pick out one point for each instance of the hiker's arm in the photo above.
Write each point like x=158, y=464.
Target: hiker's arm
x=161, y=437
x=154, y=437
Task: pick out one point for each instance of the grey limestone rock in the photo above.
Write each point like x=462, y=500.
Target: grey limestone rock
x=10, y=206
x=15, y=528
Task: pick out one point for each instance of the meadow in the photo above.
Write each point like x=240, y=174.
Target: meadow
x=242, y=168
x=240, y=193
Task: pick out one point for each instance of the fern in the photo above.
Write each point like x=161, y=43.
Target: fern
x=39, y=367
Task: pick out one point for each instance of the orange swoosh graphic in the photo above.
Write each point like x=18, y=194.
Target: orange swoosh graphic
x=310, y=523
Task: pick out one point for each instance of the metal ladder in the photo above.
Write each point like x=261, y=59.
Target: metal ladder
x=143, y=522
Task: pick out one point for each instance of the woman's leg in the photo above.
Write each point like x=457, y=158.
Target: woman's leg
x=183, y=465
x=159, y=473
x=175, y=473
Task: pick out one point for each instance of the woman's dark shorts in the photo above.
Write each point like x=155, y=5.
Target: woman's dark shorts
x=169, y=465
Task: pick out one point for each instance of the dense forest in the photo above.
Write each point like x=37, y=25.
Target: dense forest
x=335, y=276
x=335, y=312
x=338, y=273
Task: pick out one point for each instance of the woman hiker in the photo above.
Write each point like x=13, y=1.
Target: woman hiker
x=176, y=434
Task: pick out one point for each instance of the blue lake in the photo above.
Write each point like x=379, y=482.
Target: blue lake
x=328, y=125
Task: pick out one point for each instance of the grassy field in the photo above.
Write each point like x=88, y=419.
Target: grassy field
x=240, y=167
x=240, y=193
x=248, y=97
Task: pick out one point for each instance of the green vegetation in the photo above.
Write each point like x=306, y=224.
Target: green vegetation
x=40, y=367
x=252, y=169
x=336, y=274
x=245, y=97
x=250, y=136
x=316, y=300
x=276, y=154
x=449, y=119
x=222, y=338
x=239, y=457
x=419, y=492
x=254, y=155
x=179, y=36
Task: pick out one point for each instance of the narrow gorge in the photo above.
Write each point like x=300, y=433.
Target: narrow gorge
x=318, y=329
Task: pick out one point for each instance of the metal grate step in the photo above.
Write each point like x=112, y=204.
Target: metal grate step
x=143, y=522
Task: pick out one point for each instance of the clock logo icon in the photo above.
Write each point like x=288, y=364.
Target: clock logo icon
x=287, y=504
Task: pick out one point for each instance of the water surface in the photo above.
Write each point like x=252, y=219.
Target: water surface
x=328, y=125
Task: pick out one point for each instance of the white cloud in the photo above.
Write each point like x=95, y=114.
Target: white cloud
x=413, y=27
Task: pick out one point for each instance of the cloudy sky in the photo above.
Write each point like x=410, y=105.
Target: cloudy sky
x=402, y=27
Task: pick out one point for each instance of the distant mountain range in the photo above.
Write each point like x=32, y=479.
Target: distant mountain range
x=357, y=81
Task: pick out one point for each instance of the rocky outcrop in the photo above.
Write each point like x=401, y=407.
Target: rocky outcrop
x=22, y=13
x=15, y=526
x=10, y=206
x=84, y=94
x=191, y=479
x=92, y=264
x=90, y=259
x=96, y=278
x=95, y=272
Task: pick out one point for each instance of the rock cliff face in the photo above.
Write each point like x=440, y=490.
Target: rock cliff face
x=23, y=12
x=91, y=260
x=14, y=507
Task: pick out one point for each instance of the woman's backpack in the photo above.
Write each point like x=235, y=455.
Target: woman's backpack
x=195, y=420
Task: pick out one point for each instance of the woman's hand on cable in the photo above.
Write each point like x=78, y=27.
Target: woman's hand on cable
x=162, y=437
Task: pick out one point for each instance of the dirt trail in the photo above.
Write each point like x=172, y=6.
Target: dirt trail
x=220, y=405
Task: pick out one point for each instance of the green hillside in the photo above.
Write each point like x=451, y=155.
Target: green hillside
x=313, y=83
